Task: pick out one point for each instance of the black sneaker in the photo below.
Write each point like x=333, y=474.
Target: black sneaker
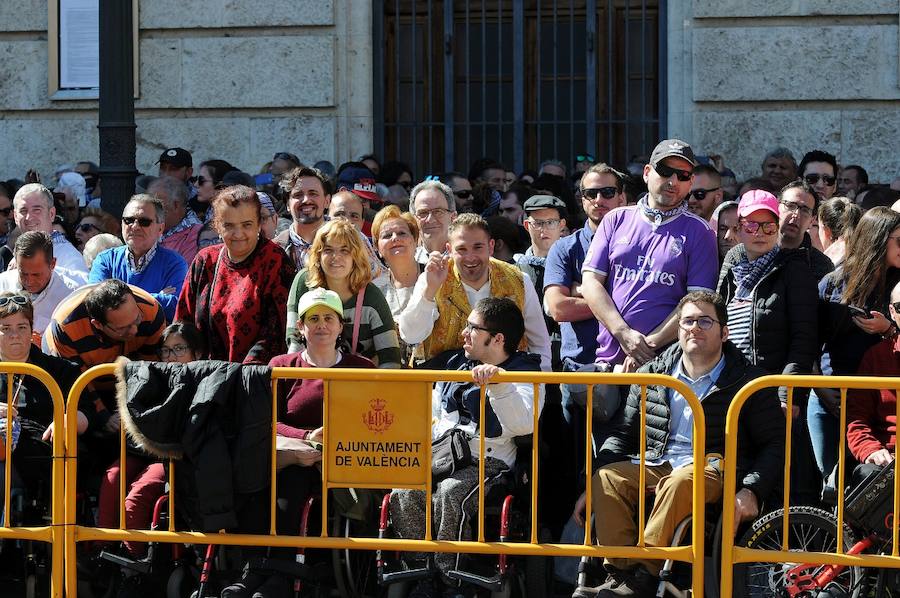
x=639, y=584
x=245, y=586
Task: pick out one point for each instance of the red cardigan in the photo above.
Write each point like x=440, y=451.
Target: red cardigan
x=872, y=414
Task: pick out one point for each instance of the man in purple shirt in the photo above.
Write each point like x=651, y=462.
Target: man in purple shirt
x=643, y=259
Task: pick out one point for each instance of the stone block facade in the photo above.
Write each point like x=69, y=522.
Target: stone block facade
x=225, y=79
x=748, y=75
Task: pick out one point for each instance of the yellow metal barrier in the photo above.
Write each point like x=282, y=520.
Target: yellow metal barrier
x=732, y=554
x=414, y=389
x=51, y=534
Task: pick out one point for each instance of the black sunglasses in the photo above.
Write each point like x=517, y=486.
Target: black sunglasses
x=812, y=179
x=17, y=299
x=701, y=194
x=144, y=222
x=605, y=192
x=463, y=193
x=667, y=171
x=584, y=158
x=86, y=227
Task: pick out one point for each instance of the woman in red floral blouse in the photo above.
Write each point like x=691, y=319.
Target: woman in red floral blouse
x=236, y=293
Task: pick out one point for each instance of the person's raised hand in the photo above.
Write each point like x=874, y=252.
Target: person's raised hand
x=436, y=270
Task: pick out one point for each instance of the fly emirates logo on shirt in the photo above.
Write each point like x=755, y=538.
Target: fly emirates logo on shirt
x=643, y=272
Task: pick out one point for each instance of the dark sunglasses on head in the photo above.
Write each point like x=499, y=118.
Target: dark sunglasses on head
x=812, y=179
x=701, y=194
x=463, y=193
x=286, y=156
x=667, y=171
x=86, y=227
x=144, y=222
x=584, y=158
x=605, y=192
x=17, y=299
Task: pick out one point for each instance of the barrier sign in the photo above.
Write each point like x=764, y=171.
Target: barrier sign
x=378, y=433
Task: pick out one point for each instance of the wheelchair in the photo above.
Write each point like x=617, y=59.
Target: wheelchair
x=507, y=519
x=868, y=518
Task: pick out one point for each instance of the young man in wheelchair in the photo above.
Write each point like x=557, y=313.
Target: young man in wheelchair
x=490, y=339
x=715, y=370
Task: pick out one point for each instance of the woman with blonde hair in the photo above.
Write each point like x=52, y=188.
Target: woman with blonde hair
x=339, y=262
x=396, y=236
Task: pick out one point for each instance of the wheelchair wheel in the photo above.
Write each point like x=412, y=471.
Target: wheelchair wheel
x=810, y=530
x=354, y=570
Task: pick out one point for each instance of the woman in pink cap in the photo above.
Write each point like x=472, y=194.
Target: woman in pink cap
x=770, y=292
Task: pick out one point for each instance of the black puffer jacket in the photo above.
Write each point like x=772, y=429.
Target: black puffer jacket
x=761, y=425
x=215, y=416
x=784, y=337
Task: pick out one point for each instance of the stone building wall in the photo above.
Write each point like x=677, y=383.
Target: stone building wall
x=237, y=80
x=747, y=75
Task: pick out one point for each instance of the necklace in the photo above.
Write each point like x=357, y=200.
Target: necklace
x=307, y=359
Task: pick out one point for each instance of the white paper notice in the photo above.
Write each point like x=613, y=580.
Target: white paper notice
x=79, y=44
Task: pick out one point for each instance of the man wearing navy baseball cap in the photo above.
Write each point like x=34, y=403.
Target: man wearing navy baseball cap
x=177, y=162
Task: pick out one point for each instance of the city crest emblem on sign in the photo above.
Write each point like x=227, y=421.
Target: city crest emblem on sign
x=378, y=419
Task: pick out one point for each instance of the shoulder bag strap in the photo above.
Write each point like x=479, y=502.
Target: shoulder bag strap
x=357, y=316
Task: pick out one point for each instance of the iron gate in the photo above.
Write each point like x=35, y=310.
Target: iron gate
x=517, y=80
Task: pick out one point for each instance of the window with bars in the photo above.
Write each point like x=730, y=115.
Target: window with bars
x=519, y=81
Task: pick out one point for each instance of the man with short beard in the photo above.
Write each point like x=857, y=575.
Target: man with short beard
x=645, y=258
x=451, y=284
x=309, y=196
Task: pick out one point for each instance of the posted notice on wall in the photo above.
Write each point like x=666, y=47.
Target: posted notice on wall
x=79, y=44
x=378, y=433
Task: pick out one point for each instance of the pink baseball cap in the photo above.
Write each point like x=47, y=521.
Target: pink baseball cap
x=757, y=199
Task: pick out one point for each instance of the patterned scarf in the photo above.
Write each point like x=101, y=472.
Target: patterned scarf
x=657, y=216
x=747, y=274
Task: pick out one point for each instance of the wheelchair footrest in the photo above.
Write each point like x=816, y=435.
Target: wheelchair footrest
x=142, y=567
x=493, y=583
x=389, y=577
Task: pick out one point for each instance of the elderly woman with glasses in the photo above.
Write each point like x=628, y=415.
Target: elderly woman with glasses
x=32, y=412
x=236, y=293
x=95, y=221
x=770, y=293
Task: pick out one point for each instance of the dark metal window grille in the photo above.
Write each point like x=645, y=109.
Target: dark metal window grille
x=519, y=81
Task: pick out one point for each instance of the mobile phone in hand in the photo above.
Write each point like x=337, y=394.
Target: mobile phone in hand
x=859, y=312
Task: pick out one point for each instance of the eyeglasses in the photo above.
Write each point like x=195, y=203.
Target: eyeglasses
x=667, y=171
x=896, y=306
x=751, y=227
x=470, y=327
x=812, y=179
x=463, y=193
x=177, y=351
x=704, y=322
x=143, y=222
x=793, y=207
x=584, y=158
x=701, y=194
x=86, y=227
x=121, y=330
x=605, y=192
x=542, y=224
x=436, y=212
x=286, y=156
x=17, y=299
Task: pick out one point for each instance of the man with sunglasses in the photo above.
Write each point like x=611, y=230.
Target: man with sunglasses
x=462, y=190
x=706, y=191
x=645, y=258
x=142, y=261
x=820, y=170
x=715, y=370
x=798, y=203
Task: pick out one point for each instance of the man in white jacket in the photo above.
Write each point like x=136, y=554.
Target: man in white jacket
x=492, y=333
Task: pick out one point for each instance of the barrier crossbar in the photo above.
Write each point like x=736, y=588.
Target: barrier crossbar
x=51, y=534
x=424, y=379
x=731, y=554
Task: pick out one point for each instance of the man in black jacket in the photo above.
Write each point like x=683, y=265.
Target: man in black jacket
x=715, y=370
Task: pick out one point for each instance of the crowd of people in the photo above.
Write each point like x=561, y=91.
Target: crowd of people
x=668, y=265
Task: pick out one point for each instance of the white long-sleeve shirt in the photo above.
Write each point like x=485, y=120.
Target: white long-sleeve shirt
x=417, y=320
